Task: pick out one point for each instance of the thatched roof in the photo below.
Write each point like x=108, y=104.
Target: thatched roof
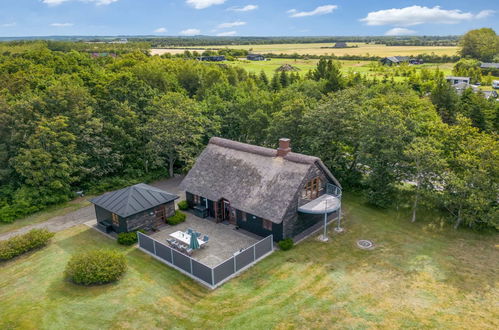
x=132, y=200
x=287, y=67
x=252, y=178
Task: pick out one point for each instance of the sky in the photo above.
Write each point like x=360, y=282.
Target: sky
x=245, y=17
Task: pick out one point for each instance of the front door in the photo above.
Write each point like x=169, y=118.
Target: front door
x=160, y=215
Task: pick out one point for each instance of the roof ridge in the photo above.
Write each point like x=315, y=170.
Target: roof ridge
x=262, y=151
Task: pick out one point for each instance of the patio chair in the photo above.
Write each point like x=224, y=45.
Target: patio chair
x=189, y=231
x=205, y=238
x=198, y=234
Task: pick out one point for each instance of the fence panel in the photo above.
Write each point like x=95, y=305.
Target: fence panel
x=244, y=258
x=182, y=261
x=263, y=247
x=224, y=270
x=201, y=271
x=163, y=251
x=146, y=242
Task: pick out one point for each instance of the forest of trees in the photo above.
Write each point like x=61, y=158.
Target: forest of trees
x=71, y=122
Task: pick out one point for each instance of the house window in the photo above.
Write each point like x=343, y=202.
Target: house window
x=267, y=224
x=312, y=188
x=197, y=199
x=115, y=219
x=244, y=216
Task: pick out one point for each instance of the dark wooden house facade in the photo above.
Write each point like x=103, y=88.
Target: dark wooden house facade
x=140, y=206
x=255, y=57
x=259, y=189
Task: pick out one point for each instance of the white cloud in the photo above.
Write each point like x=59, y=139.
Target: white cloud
x=321, y=10
x=230, y=24
x=190, y=32
x=400, y=32
x=61, y=24
x=484, y=14
x=245, y=8
x=160, y=30
x=8, y=24
x=227, y=34
x=202, y=4
x=97, y=2
x=415, y=15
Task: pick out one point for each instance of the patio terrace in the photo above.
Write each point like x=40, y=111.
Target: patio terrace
x=224, y=239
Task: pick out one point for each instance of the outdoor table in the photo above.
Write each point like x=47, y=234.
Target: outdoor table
x=185, y=238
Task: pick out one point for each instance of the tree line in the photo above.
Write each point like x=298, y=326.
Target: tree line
x=71, y=122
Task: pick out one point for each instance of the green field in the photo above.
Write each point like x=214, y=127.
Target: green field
x=418, y=276
x=363, y=67
x=320, y=49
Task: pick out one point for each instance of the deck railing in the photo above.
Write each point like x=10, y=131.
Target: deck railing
x=211, y=277
x=334, y=190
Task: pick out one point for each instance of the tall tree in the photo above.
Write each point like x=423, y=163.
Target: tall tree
x=175, y=129
x=481, y=44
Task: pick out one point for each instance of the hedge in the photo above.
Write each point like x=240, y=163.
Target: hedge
x=127, y=238
x=96, y=267
x=286, y=244
x=20, y=244
x=183, y=205
x=175, y=219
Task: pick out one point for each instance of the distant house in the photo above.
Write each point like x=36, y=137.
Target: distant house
x=140, y=206
x=261, y=190
x=460, y=87
x=453, y=80
x=489, y=66
x=214, y=58
x=95, y=55
x=493, y=68
x=391, y=60
x=340, y=44
x=490, y=94
x=255, y=57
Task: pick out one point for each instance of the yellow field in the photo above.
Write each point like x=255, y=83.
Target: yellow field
x=316, y=49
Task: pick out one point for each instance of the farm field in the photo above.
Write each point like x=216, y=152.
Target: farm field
x=363, y=67
x=316, y=49
x=419, y=276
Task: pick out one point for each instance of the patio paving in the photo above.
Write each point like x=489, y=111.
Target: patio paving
x=224, y=240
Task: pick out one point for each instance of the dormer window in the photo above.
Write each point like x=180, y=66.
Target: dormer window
x=312, y=188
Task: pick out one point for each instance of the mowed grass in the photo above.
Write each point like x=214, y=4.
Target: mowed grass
x=418, y=276
x=362, y=67
x=318, y=49
x=50, y=212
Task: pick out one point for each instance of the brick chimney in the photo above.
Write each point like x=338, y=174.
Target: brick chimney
x=284, y=147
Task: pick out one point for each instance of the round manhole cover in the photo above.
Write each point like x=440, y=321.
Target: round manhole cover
x=365, y=244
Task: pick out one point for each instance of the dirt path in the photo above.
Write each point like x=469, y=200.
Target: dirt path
x=87, y=213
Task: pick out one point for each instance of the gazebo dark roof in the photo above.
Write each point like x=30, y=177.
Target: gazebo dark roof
x=134, y=199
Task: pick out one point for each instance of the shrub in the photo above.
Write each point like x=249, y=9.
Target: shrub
x=183, y=205
x=127, y=238
x=20, y=244
x=175, y=219
x=286, y=244
x=96, y=267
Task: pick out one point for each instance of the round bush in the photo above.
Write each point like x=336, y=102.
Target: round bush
x=127, y=238
x=177, y=218
x=96, y=267
x=183, y=205
x=286, y=244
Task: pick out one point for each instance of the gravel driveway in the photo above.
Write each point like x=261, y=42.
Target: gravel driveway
x=87, y=213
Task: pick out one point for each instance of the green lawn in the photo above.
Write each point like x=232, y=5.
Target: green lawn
x=419, y=276
x=53, y=211
x=362, y=67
